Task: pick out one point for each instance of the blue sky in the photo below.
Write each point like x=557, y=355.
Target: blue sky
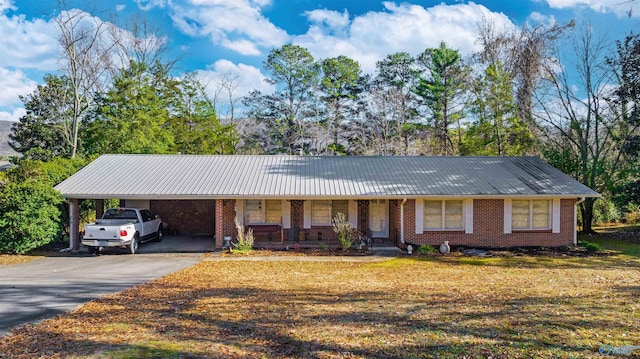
x=221, y=38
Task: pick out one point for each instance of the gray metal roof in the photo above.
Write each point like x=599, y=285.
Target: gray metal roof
x=190, y=177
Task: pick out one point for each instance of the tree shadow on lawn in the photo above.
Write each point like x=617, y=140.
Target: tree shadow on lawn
x=588, y=262
x=179, y=321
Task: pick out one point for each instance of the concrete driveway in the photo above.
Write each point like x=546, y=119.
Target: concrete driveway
x=37, y=290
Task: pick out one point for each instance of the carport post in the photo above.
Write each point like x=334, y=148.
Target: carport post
x=74, y=225
x=219, y=218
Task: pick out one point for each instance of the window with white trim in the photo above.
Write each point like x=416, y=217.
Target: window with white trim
x=322, y=212
x=443, y=214
x=259, y=211
x=530, y=214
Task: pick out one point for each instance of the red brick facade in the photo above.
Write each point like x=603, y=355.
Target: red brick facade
x=488, y=228
x=216, y=217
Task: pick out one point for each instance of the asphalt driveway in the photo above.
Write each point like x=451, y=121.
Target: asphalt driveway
x=33, y=291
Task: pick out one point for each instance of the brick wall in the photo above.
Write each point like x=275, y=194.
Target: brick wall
x=488, y=228
x=297, y=214
x=363, y=216
x=187, y=217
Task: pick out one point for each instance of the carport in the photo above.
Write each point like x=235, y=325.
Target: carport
x=177, y=196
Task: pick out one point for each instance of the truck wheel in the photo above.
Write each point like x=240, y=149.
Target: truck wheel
x=160, y=234
x=93, y=250
x=133, y=246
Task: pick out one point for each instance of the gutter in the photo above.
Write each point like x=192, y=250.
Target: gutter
x=575, y=220
x=404, y=200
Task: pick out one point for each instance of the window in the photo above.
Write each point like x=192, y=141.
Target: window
x=263, y=211
x=114, y=213
x=322, y=212
x=341, y=206
x=443, y=214
x=147, y=215
x=531, y=214
x=273, y=211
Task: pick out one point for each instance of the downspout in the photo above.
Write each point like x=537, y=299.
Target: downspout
x=404, y=200
x=575, y=220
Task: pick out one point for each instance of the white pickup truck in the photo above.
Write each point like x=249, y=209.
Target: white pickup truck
x=122, y=227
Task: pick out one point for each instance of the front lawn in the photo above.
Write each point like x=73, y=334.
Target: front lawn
x=401, y=308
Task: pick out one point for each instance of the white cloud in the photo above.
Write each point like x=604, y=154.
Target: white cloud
x=6, y=5
x=242, y=78
x=537, y=18
x=13, y=84
x=330, y=22
x=404, y=27
x=238, y=25
x=120, y=7
x=13, y=115
x=146, y=5
x=619, y=7
x=27, y=43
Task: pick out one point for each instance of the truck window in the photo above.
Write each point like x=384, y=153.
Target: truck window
x=146, y=215
x=115, y=213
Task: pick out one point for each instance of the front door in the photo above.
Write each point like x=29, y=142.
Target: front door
x=379, y=218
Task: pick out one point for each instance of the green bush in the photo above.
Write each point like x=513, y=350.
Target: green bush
x=29, y=216
x=589, y=246
x=343, y=230
x=425, y=249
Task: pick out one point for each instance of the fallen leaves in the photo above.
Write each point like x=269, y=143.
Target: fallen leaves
x=402, y=308
x=11, y=259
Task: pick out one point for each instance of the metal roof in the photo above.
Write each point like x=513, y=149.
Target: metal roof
x=235, y=176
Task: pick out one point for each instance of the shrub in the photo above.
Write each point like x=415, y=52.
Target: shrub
x=425, y=249
x=343, y=229
x=589, y=246
x=29, y=216
x=245, y=239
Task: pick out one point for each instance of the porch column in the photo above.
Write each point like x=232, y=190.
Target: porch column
x=297, y=218
x=363, y=216
x=219, y=219
x=99, y=208
x=74, y=225
x=228, y=217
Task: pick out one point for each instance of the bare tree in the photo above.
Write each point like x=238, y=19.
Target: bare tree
x=85, y=61
x=140, y=41
x=225, y=87
x=584, y=126
x=524, y=53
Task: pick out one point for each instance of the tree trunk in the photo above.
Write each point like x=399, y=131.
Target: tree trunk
x=587, y=215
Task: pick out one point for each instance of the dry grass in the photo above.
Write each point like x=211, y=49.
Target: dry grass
x=10, y=259
x=402, y=308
